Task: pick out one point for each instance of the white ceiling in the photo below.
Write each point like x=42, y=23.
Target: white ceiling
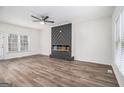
x=20, y=15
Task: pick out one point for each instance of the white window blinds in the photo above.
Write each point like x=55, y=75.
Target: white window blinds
x=122, y=43
x=18, y=43
x=118, y=43
x=13, y=43
x=24, y=43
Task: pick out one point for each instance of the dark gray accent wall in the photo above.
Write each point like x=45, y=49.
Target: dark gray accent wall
x=61, y=36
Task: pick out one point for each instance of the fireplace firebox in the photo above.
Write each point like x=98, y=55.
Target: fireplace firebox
x=62, y=48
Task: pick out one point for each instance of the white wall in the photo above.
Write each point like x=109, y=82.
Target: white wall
x=33, y=34
x=45, y=40
x=93, y=40
x=119, y=76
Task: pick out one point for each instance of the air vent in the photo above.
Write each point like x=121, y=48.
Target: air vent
x=109, y=71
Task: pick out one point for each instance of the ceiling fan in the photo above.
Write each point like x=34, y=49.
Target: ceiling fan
x=42, y=19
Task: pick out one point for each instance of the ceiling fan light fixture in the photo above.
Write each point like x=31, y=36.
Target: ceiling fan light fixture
x=42, y=22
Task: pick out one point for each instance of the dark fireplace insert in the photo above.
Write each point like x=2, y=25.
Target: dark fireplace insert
x=61, y=48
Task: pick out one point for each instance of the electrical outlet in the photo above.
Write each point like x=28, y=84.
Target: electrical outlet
x=109, y=71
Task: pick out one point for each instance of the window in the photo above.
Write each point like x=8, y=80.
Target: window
x=24, y=43
x=1, y=45
x=13, y=43
x=18, y=43
x=120, y=41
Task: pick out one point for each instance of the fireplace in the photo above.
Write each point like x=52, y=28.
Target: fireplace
x=61, y=48
x=61, y=42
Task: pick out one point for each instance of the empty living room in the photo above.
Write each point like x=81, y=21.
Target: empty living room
x=61, y=46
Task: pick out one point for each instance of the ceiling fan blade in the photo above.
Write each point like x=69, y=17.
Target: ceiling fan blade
x=50, y=21
x=35, y=17
x=36, y=20
x=46, y=17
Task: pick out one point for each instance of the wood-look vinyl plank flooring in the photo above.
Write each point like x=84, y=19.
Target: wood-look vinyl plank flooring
x=42, y=71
